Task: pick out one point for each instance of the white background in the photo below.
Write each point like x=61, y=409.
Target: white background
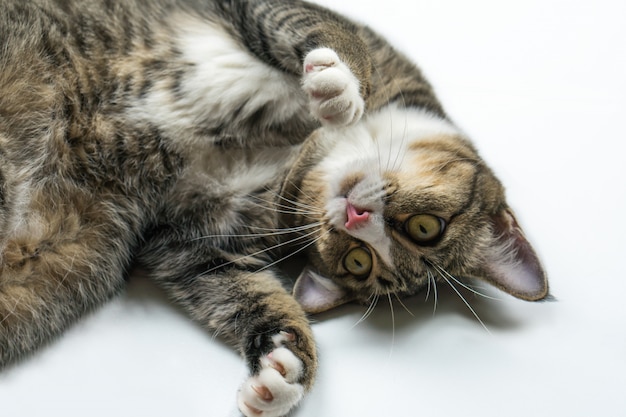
x=539, y=85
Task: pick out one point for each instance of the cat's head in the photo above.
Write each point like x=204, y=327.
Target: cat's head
x=397, y=201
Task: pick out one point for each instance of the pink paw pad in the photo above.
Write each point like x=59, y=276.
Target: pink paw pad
x=332, y=88
x=275, y=389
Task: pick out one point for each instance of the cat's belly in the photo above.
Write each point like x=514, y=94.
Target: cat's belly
x=244, y=171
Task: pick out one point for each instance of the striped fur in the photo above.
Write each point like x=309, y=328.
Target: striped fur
x=168, y=133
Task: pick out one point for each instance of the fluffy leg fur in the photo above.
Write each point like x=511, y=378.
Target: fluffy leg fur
x=54, y=268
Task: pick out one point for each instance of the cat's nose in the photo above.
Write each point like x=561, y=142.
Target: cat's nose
x=356, y=217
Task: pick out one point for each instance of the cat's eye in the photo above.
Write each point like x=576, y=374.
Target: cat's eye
x=358, y=262
x=424, y=228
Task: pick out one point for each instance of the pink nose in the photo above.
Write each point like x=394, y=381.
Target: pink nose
x=356, y=217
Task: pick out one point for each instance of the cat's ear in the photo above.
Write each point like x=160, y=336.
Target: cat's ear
x=511, y=263
x=316, y=293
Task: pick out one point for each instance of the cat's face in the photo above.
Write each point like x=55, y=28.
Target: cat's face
x=402, y=200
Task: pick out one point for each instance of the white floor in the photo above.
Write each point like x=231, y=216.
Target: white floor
x=540, y=86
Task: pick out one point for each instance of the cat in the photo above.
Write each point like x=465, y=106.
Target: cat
x=204, y=140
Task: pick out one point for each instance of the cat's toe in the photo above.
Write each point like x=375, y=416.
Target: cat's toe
x=274, y=390
x=333, y=89
x=320, y=59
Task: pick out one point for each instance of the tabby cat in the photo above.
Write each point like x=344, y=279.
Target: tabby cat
x=200, y=138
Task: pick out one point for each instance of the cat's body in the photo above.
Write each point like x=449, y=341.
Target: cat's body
x=168, y=133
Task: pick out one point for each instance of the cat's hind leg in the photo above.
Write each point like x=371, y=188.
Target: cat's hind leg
x=60, y=259
x=334, y=91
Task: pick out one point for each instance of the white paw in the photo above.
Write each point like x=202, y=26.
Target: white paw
x=274, y=391
x=333, y=89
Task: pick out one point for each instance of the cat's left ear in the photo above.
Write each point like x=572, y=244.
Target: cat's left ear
x=316, y=293
x=511, y=263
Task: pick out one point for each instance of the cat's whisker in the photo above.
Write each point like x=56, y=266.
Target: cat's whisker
x=278, y=229
x=466, y=286
x=307, y=208
x=295, y=252
x=428, y=275
x=471, y=309
x=393, y=325
x=400, y=154
x=388, y=100
x=291, y=241
x=268, y=249
x=389, y=151
x=305, y=195
x=277, y=208
x=431, y=278
x=379, y=156
x=369, y=310
x=270, y=232
x=403, y=305
x=391, y=124
x=282, y=209
x=286, y=230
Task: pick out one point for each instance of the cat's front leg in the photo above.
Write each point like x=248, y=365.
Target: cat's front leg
x=252, y=310
x=334, y=91
x=280, y=352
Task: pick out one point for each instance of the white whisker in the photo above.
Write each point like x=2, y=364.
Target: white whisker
x=393, y=325
x=441, y=273
x=307, y=209
x=277, y=208
x=296, y=202
x=403, y=305
x=401, y=147
x=465, y=286
x=294, y=252
x=252, y=255
x=270, y=232
x=399, y=153
x=369, y=310
x=431, y=278
x=380, y=165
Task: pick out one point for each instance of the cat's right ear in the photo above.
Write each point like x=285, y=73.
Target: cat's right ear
x=316, y=293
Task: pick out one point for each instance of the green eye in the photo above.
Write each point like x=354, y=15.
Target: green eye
x=424, y=228
x=358, y=262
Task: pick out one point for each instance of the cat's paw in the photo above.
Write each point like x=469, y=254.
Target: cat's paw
x=275, y=389
x=333, y=89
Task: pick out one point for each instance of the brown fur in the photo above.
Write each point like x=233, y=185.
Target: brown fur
x=109, y=157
